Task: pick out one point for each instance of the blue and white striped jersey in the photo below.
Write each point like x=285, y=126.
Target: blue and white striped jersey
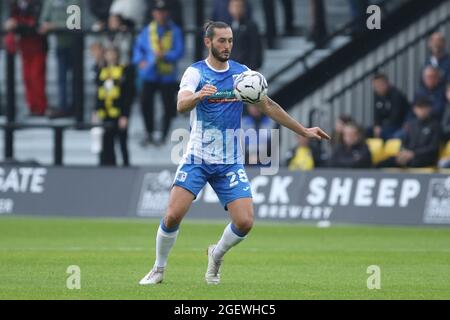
x=215, y=121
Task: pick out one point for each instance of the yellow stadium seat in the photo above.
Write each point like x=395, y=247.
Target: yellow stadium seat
x=376, y=149
x=445, y=152
x=425, y=170
x=392, y=148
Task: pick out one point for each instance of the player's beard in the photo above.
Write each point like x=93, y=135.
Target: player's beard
x=216, y=54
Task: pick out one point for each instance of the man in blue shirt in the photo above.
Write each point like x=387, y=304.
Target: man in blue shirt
x=156, y=53
x=212, y=155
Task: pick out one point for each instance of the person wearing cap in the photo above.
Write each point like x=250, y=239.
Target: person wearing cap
x=156, y=52
x=175, y=8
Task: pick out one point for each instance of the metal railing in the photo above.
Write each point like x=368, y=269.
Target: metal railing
x=78, y=90
x=304, y=57
x=401, y=57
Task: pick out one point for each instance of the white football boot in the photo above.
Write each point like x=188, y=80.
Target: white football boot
x=155, y=276
x=212, y=275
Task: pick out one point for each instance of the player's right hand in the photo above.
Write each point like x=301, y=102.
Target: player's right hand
x=207, y=91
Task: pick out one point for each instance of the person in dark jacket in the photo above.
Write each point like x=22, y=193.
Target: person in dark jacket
x=353, y=152
x=220, y=11
x=54, y=17
x=446, y=116
x=390, y=108
x=439, y=57
x=270, y=14
x=23, y=22
x=113, y=106
x=318, y=31
x=433, y=89
x=247, y=40
x=358, y=10
x=420, y=144
x=100, y=10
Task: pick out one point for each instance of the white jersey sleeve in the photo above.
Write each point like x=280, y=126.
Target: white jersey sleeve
x=190, y=80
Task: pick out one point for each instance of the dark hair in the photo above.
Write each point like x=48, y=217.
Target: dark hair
x=355, y=125
x=210, y=27
x=345, y=118
x=380, y=76
x=423, y=102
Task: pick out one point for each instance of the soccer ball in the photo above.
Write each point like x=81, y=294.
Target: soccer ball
x=250, y=86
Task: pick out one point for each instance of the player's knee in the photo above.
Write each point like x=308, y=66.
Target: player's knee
x=245, y=224
x=172, y=220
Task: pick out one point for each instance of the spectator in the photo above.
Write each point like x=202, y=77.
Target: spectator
x=175, y=10
x=446, y=117
x=270, y=16
x=353, y=152
x=341, y=121
x=98, y=53
x=220, y=11
x=119, y=36
x=336, y=138
x=113, y=106
x=318, y=33
x=248, y=48
x=261, y=125
x=420, y=144
x=131, y=12
x=33, y=48
x=100, y=10
x=390, y=109
x=54, y=17
x=439, y=58
x=358, y=9
x=305, y=156
x=432, y=89
x=157, y=50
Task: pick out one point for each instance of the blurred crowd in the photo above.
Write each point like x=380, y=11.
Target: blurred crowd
x=139, y=44
x=404, y=134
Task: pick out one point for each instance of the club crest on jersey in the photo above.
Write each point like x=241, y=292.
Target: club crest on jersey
x=181, y=176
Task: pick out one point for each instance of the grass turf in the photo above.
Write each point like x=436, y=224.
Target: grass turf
x=277, y=261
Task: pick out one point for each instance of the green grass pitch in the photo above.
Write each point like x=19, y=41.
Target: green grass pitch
x=277, y=261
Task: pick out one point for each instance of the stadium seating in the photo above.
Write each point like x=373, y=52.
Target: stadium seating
x=392, y=148
x=376, y=149
x=445, y=151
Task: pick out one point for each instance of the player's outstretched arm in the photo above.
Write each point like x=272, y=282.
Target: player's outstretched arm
x=276, y=113
x=188, y=100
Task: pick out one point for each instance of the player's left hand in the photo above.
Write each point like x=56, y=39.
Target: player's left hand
x=316, y=133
